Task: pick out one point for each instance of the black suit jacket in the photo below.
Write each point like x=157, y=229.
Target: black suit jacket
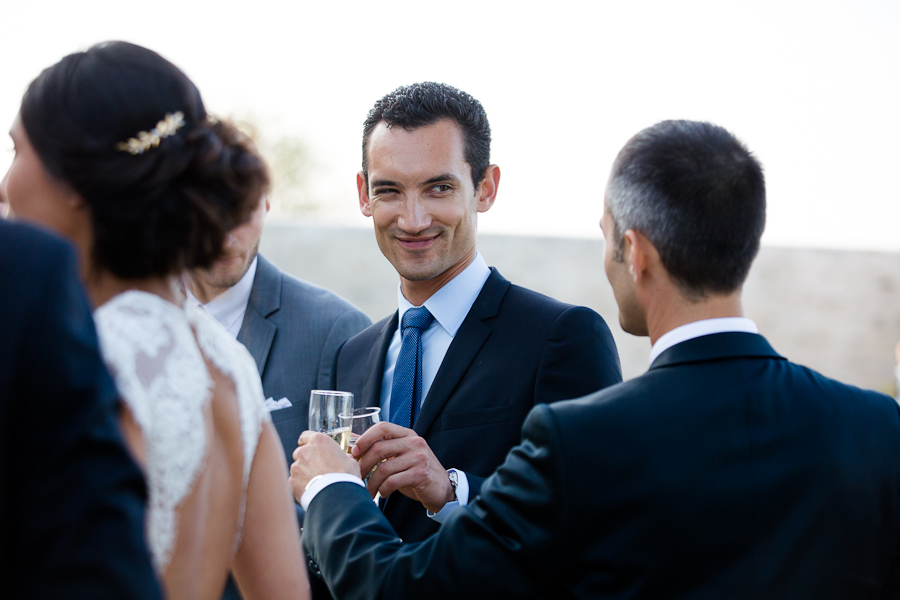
x=516, y=348
x=724, y=472
x=71, y=499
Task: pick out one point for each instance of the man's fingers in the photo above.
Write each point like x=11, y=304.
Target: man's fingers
x=406, y=482
x=379, y=431
x=415, y=473
x=391, y=448
x=306, y=436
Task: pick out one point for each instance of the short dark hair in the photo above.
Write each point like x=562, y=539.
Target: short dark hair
x=698, y=195
x=422, y=104
x=160, y=211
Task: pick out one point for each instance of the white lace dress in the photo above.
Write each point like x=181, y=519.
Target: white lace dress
x=150, y=348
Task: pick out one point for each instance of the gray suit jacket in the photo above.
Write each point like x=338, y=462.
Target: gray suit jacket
x=293, y=330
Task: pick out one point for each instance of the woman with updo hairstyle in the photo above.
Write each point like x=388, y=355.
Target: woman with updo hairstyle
x=115, y=150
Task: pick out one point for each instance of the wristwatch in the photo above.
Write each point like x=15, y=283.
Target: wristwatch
x=454, y=481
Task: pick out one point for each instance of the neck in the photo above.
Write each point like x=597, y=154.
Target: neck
x=663, y=317
x=202, y=290
x=417, y=292
x=103, y=286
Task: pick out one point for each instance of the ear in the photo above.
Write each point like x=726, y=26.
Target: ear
x=636, y=254
x=363, y=190
x=268, y=204
x=487, y=189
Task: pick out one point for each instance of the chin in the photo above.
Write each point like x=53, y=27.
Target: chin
x=418, y=274
x=412, y=270
x=633, y=326
x=226, y=277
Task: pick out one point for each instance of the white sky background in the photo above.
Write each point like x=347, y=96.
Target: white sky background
x=813, y=88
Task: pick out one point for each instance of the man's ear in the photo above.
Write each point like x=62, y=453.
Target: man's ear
x=487, y=189
x=363, y=189
x=635, y=254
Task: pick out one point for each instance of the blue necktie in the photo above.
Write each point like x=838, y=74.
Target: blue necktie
x=406, y=391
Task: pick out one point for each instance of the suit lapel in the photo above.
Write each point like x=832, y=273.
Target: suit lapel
x=257, y=333
x=465, y=345
x=371, y=391
x=717, y=346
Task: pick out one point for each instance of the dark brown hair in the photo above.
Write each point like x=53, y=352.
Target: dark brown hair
x=423, y=104
x=161, y=211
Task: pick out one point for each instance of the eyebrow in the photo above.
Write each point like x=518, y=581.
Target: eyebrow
x=384, y=183
x=436, y=179
x=439, y=178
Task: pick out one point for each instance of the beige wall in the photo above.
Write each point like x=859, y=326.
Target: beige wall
x=835, y=311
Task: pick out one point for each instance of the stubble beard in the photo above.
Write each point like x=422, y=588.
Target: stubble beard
x=226, y=280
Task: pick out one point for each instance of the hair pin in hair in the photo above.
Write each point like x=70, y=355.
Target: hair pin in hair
x=150, y=139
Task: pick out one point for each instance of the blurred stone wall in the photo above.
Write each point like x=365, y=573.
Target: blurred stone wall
x=835, y=311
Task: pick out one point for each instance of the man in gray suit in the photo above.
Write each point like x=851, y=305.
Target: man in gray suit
x=292, y=328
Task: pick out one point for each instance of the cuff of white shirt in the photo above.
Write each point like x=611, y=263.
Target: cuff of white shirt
x=320, y=482
x=462, y=498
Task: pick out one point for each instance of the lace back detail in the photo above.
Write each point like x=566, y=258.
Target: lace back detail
x=233, y=359
x=149, y=348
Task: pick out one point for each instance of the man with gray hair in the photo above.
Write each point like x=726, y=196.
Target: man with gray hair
x=723, y=472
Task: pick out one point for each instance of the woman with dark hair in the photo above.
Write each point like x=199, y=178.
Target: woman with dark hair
x=115, y=150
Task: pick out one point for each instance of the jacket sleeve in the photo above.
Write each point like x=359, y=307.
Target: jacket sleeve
x=77, y=506
x=579, y=358
x=507, y=543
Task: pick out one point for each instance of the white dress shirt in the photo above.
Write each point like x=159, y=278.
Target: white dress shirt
x=699, y=329
x=229, y=307
x=449, y=307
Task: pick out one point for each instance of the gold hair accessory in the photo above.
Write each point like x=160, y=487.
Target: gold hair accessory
x=150, y=139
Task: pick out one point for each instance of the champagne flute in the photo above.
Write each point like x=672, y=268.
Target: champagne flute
x=326, y=407
x=359, y=421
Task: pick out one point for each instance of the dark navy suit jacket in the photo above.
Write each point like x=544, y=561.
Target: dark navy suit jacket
x=71, y=499
x=723, y=472
x=515, y=349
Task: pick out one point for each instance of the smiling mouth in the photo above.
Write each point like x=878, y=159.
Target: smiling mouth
x=417, y=243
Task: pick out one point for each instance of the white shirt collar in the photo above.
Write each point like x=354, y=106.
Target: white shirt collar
x=699, y=329
x=450, y=304
x=228, y=308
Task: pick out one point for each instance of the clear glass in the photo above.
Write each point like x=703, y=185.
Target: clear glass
x=325, y=410
x=359, y=421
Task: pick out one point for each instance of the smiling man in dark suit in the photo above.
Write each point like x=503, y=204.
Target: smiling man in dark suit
x=485, y=351
x=723, y=472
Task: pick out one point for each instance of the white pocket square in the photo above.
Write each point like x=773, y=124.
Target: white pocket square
x=272, y=405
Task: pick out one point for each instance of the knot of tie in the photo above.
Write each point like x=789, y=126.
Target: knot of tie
x=418, y=317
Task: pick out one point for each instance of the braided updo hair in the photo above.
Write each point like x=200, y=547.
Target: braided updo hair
x=166, y=209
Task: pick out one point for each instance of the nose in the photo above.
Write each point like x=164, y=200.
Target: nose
x=414, y=216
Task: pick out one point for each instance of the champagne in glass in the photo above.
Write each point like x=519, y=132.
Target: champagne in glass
x=343, y=437
x=358, y=421
x=325, y=410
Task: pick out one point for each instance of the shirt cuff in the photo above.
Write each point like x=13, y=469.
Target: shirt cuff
x=319, y=483
x=462, y=498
